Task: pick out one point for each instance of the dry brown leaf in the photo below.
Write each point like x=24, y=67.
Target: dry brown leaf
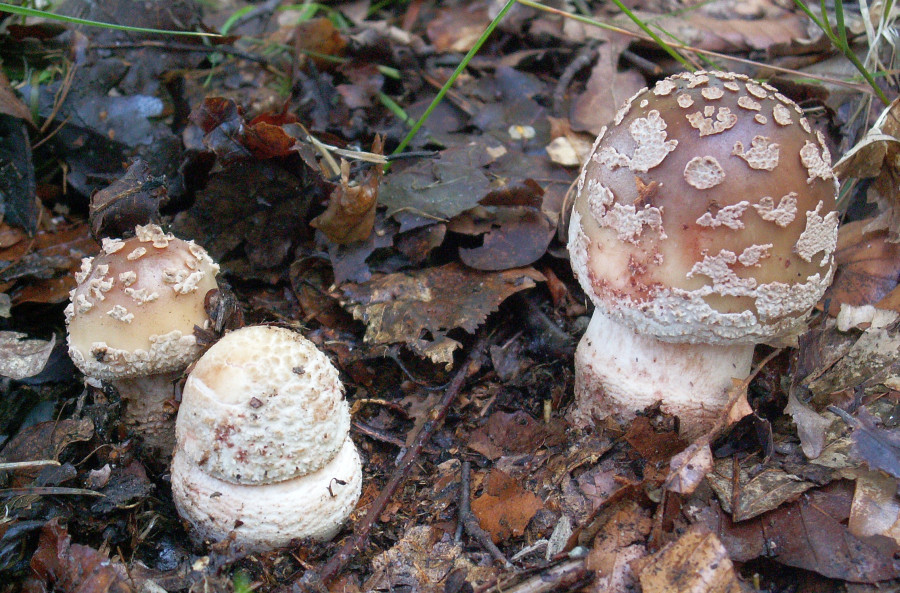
x=764, y=491
x=617, y=545
x=350, y=215
x=878, y=155
x=695, y=563
x=512, y=433
x=504, y=508
x=457, y=28
x=688, y=468
x=402, y=307
x=875, y=509
x=10, y=104
x=868, y=268
x=59, y=565
x=607, y=88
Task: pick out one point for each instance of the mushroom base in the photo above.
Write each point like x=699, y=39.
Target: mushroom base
x=619, y=373
x=150, y=409
x=265, y=516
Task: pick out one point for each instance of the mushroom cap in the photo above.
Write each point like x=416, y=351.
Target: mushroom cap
x=269, y=515
x=262, y=405
x=135, y=306
x=705, y=213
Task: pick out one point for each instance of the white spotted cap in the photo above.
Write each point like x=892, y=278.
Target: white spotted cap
x=262, y=405
x=706, y=213
x=135, y=305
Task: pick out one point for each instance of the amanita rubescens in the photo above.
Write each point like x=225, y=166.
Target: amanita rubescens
x=704, y=224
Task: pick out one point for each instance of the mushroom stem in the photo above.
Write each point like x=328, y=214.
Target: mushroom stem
x=148, y=409
x=620, y=373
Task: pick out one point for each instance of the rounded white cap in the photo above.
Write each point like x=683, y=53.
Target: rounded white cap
x=270, y=515
x=134, y=309
x=262, y=405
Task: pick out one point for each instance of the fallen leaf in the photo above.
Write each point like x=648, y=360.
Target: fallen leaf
x=878, y=447
x=319, y=36
x=402, y=307
x=617, y=545
x=766, y=490
x=810, y=534
x=606, y=89
x=868, y=268
x=44, y=441
x=875, y=510
x=59, y=565
x=695, y=562
x=504, y=508
x=10, y=104
x=878, y=155
x=653, y=446
x=350, y=215
x=459, y=27
x=21, y=358
x=512, y=433
x=688, y=468
x=131, y=200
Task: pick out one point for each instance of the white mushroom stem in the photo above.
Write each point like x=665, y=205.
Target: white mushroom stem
x=620, y=373
x=149, y=409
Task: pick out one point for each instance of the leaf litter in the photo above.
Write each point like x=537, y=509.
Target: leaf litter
x=269, y=148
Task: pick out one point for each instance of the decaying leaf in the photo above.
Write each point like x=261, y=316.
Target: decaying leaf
x=697, y=561
x=878, y=155
x=757, y=494
x=512, y=433
x=868, y=268
x=10, y=104
x=232, y=139
x=44, y=441
x=423, y=560
x=616, y=547
x=400, y=307
x=504, y=508
x=350, y=215
x=59, y=565
x=878, y=447
x=132, y=199
x=810, y=534
x=607, y=88
x=21, y=358
x=876, y=509
x=688, y=468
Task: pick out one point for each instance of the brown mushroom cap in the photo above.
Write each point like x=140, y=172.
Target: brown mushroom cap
x=134, y=309
x=705, y=213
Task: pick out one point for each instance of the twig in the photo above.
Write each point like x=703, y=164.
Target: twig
x=561, y=577
x=470, y=523
x=187, y=47
x=583, y=58
x=312, y=581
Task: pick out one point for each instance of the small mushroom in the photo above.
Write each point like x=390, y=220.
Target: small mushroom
x=131, y=321
x=704, y=224
x=263, y=451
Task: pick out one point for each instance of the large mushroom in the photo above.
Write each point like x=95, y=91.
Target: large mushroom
x=131, y=323
x=704, y=224
x=263, y=451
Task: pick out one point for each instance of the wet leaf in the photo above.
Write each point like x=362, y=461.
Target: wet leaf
x=21, y=358
x=61, y=566
x=697, y=561
x=402, y=307
x=504, y=508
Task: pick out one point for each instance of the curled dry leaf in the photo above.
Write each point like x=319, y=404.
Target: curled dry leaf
x=697, y=561
x=131, y=200
x=877, y=156
x=21, y=358
x=350, y=215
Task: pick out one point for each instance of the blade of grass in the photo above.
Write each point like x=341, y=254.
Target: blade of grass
x=22, y=11
x=656, y=38
x=459, y=69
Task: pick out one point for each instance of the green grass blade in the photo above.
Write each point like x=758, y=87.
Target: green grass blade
x=459, y=69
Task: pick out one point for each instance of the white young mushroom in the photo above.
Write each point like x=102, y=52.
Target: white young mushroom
x=704, y=224
x=131, y=321
x=263, y=451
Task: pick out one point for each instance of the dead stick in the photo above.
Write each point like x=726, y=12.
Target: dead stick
x=311, y=581
x=470, y=523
